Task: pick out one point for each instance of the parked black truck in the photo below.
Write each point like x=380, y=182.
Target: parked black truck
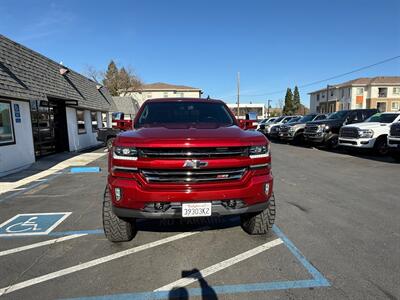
x=326, y=132
x=293, y=131
x=394, y=141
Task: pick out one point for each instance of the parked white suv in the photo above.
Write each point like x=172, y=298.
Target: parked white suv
x=370, y=134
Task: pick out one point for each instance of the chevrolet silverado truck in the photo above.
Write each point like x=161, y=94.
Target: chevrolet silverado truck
x=394, y=141
x=371, y=134
x=293, y=131
x=326, y=132
x=187, y=158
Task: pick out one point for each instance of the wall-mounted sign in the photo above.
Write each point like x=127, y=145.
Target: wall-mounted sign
x=17, y=113
x=16, y=107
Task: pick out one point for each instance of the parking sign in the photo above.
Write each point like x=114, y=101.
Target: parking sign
x=32, y=224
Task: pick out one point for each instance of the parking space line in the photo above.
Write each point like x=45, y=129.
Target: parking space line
x=219, y=266
x=40, y=244
x=92, y=263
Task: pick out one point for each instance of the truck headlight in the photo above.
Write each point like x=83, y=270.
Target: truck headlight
x=259, y=151
x=292, y=129
x=365, y=133
x=127, y=153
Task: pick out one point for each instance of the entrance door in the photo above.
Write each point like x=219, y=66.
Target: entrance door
x=381, y=106
x=49, y=127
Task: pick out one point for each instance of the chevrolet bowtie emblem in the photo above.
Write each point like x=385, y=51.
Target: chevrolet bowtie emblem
x=195, y=164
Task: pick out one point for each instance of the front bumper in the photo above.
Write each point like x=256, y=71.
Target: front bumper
x=137, y=196
x=288, y=136
x=364, y=143
x=394, y=144
x=175, y=211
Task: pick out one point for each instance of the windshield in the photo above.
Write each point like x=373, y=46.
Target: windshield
x=162, y=113
x=382, y=118
x=296, y=119
x=279, y=119
x=307, y=118
x=338, y=115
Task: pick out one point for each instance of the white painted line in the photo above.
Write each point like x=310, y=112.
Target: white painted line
x=36, y=245
x=92, y=263
x=219, y=266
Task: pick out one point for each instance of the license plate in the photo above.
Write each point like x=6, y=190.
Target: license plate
x=190, y=210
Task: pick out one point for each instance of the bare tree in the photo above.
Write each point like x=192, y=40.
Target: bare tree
x=93, y=73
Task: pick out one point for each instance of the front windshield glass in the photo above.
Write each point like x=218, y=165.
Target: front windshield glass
x=338, y=115
x=296, y=119
x=307, y=118
x=279, y=119
x=382, y=118
x=168, y=113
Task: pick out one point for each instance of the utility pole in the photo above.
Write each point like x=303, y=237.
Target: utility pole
x=268, y=103
x=238, y=93
x=327, y=97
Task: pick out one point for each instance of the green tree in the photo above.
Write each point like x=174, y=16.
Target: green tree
x=296, y=101
x=111, y=78
x=288, y=107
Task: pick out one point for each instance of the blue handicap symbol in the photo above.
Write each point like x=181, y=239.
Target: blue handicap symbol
x=32, y=224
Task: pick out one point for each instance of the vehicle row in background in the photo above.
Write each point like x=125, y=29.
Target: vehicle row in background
x=349, y=129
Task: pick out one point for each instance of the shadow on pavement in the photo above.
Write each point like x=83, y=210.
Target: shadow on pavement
x=190, y=224
x=207, y=292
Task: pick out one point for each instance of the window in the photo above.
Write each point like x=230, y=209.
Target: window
x=317, y=97
x=165, y=94
x=93, y=116
x=180, y=114
x=395, y=106
x=396, y=91
x=382, y=92
x=360, y=91
x=80, y=118
x=332, y=93
x=104, y=119
x=342, y=93
x=6, y=124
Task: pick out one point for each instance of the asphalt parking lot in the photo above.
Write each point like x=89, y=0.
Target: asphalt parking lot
x=337, y=236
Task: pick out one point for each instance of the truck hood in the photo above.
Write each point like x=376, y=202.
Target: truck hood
x=369, y=125
x=326, y=122
x=185, y=136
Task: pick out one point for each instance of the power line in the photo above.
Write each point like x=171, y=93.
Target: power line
x=327, y=79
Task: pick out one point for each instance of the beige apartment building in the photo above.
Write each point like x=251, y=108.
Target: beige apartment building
x=382, y=93
x=162, y=90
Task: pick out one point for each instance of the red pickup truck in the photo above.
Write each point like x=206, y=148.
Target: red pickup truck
x=187, y=158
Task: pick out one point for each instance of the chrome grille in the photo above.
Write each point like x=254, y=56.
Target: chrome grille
x=349, y=132
x=217, y=152
x=311, y=128
x=186, y=176
x=395, y=130
x=284, y=129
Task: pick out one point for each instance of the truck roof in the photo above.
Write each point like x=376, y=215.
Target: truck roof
x=184, y=100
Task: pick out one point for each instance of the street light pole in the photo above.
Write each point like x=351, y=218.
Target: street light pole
x=268, y=101
x=238, y=93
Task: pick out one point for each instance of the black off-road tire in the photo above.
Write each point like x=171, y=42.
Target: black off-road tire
x=380, y=147
x=262, y=222
x=109, y=142
x=115, y=229
x=396, y=157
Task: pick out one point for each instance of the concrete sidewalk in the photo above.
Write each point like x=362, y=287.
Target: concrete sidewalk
x=47, y=166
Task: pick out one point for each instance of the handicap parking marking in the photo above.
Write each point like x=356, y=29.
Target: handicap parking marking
x=85, y=170
x=317, y=280
x=32, y=224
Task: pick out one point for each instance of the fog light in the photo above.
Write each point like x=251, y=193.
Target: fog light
x=117, y=192
x=232, y=203
x=266, y=189
x=158, y=205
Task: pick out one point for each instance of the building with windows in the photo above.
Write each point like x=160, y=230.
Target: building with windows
x=45, y=107
x=162, y=90
x=382, y=93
